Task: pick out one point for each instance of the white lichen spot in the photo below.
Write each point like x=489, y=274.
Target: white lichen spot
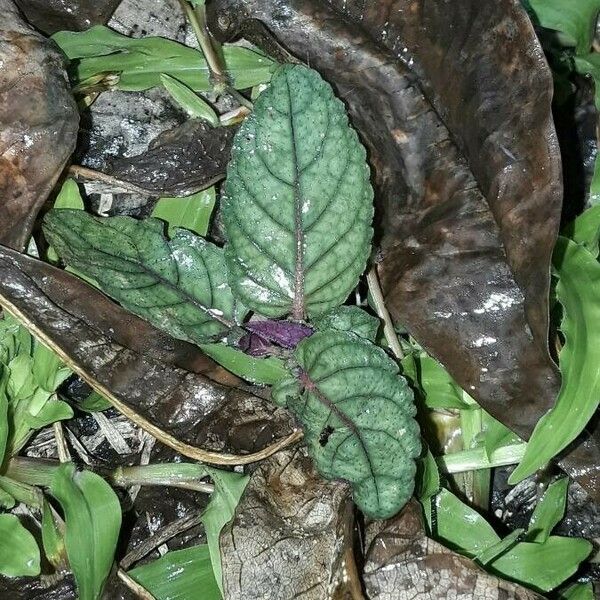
x=484, y=340
x=496, y=302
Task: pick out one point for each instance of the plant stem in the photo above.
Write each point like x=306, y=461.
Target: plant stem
x=197, y=19
x=181, y=475
x=40, y=472
x=22, y=492
x=61, y=444
x=382, y=312
x=472, y=460
x=139, y=590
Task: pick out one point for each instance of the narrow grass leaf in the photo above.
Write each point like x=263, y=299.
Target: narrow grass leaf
x=92, y=524
x=140, y=62
x=578, y=591
x=192, y=212
x=179, y=575
x=195, y=106
x=496, y=550
x=548, y=511
x=265, y=371
x=52, y=538
x=578, y=290
x=19, y=552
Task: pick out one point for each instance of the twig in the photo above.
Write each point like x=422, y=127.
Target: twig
x=61, y=443
x=181, y=475
x=472, y=460
x=134, y=586
x=84, y=174
x=160, y=537
x=382, y=312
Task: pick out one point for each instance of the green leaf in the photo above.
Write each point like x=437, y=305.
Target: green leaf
x=3, y=413
x=439, y=389
x=19, y=552
x=428, y=478
x=575, y=20
x=357, y=414
x=191, y=213
x=196, y=107
x=95, y=402
x=141, y=62
x=495, y=435
x=542, y=566
x=585, y=229
x=265, y=371
x=92, y=520
x=578, y=591
x=52, y=411
x=578, y=290
x=179, y=575
x=350, y=318
x=178, y=285
x=229, y=488
x=499, y=548
x=461, y=527
x=297, y=205
x=47, y=368
x=548, y=511
x=52, y=538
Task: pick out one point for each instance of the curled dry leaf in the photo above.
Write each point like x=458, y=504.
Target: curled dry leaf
x=291, y=536
x=139, y=368
x=50, y=16
x=403, y=564
x=179, y=162
x=453, y=103
x=38, y=124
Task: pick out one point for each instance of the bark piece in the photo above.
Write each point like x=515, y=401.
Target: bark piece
x=38, y=124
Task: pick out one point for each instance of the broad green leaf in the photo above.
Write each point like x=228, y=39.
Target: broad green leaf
x=297, y=204
x=191, y=213
x=92, y=523
x=195, y=106
x=496, y=435
x=141, y=62
x=179, y=575
x=461, y=527
x=578, y=290
x=585, y=229
x=7, y=501
x=52, y=538
x=47, y=368
x=266, y=371
x=548, y=511
x=578, y=591
x=69, y=196
x=19, y=552
x=229, y=488
x=542, y=566
x=178, y=285
x=499, y=548
x=52, y=411
x=349, y=318
x=576, y=21
x=358, y=418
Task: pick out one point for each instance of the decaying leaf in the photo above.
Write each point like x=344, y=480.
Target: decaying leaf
x=291, y=536
x=453, y=103
x=133, y=365
x=38, y=124
x=179, y=162
x=50, y=16
x=403, y=564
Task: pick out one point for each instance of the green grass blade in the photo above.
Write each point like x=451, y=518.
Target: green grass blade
x=19, y=552
x=192, y=212
x=578, y=291
x=93, y=521
x=179, y=575
x=548, y=512
x=195, y=106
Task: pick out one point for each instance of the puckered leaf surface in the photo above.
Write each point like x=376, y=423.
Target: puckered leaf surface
x=357, y=414
x=178, y=285
x=298, y=203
